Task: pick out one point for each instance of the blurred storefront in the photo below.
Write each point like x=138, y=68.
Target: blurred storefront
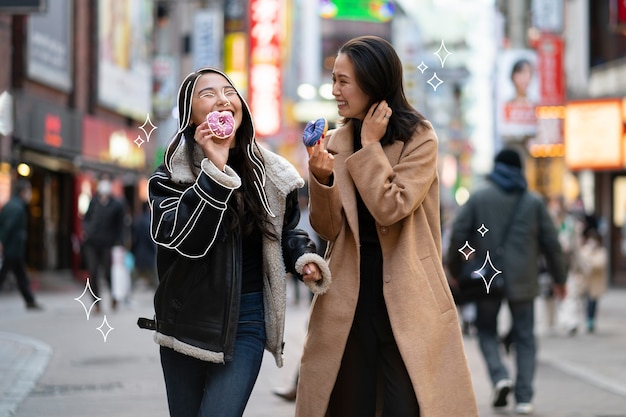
x=594, y=149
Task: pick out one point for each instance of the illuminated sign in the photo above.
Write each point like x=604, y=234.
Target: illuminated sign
x=593, y=133
x=550, y=69
x=361, y=10
x=52, y=130
x=264, y=93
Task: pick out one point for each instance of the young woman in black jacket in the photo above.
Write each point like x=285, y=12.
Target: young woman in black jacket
x=224, y=217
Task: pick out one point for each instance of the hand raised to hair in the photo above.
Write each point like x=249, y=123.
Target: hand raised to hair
x=375, y=123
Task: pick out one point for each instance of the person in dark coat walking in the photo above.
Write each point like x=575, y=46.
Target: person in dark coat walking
x=482, y=221
x=103, y=228
x=13, y=234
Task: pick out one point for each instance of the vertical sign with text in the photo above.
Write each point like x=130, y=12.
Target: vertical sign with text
x=265, y=81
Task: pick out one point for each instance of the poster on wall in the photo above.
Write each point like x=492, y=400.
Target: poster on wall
x=49, y=46
x=207, y=38
x=517, y=90
x=124, y=65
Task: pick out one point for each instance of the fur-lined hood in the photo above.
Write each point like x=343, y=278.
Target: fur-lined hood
x=245, y=134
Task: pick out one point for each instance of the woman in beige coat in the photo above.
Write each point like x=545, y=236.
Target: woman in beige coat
x=591, y=267
x=385, y=338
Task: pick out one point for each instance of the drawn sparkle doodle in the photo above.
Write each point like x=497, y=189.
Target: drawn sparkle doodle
x=94, y=296
x=147, y=132
x=488, y=271
x=103, y=326
x=483, y=272
x=442, y=53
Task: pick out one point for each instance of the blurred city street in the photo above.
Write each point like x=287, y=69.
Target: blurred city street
x=56, y=363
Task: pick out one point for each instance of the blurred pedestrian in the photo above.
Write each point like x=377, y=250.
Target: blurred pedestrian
x=588, y=279
x=103, y=229
x=593, y=258
x=224, y=216
x=566, y=226
x=143, y=248
x=489, y=208
x=13, y=235
x=389, y=320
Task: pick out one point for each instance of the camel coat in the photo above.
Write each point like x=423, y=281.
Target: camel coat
x=400, y=186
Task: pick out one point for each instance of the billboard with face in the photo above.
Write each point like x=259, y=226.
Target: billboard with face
x=517, y=92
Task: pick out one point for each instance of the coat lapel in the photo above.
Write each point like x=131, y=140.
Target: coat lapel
x=341, y=146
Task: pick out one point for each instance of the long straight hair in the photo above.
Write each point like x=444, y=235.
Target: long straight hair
x=249, y=208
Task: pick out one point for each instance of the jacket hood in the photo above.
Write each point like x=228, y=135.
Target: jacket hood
x=177, y=149
x=508, y=177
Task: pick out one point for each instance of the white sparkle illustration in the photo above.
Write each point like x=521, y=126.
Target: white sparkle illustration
x=467, y=250
x=108, y=328
x=139, y=141
x=148, y=122
x=437, y=83
x=482, y=230
x=422, y=67
x=96, y=299
x=496, y=271
x=448, y=53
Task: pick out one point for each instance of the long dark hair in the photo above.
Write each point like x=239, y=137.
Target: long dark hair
x=245, y=209
x=378, y=72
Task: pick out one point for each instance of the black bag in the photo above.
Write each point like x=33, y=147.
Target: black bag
x=478, y=280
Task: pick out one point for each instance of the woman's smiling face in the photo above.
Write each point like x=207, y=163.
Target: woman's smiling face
x=352, y=102
x=213, y=92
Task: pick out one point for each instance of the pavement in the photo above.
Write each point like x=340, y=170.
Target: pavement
x=61, y=362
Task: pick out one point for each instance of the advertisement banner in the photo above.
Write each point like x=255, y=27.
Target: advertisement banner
x=547, y=15
x=517, y=92
x=124, y=65
x=206, y=42
x=49, y=46
x=550, y=69
x=264, y=89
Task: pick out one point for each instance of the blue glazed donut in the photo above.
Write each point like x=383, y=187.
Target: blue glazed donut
x=314, y=131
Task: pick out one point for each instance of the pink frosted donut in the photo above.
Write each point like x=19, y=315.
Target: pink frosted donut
x=221, y=124
x=314, y=130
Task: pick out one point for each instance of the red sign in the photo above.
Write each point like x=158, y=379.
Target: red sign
x=617, y=14
x=52, y=130
x=550, y=68
x=264, y=87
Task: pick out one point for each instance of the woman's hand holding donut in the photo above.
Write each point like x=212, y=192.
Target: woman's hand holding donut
x=375, y=123
x=216, y=150
x=321, y=163
x=311, y=272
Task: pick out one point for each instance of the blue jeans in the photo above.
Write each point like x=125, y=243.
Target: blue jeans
x=197, y=388
x=523, y=316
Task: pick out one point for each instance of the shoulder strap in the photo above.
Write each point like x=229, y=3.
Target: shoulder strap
x=511, y=217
